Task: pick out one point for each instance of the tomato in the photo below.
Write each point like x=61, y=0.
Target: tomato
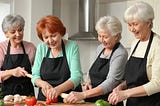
x=101, y=102
x=30, y=101
x=49, y=101
x=54, y=100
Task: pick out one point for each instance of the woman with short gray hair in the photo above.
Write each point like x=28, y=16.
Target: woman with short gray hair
x=16, y=59
x=111, y=23
x=142, y=82
x=108, y=69
x=11, y=21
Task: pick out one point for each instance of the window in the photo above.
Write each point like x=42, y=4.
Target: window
x=5, y=9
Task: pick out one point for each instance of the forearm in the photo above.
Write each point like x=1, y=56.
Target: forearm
x=6, y=74
x=67, y=85
x=135, y=92
x=38, y=82
x=93, y=92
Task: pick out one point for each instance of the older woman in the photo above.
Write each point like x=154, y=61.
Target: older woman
x=16, y=58
x=57, y=64
x=108, y=69
x=142, y=69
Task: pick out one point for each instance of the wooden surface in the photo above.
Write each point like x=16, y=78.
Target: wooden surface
x=53, y=104
x=63, y=104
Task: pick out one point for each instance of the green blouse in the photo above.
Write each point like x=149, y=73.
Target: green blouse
x=73, y=58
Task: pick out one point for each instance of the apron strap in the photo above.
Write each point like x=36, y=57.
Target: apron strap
x=23, y=48
x=48, y=51
x=114, y=48
x=9, y=45
x=148, y=47
x=149, y=44
x=63, y=50
x=135, y=48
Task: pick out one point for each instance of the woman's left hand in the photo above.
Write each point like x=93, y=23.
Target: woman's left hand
x=74, y=97
x=53, y=93
x=116, y=96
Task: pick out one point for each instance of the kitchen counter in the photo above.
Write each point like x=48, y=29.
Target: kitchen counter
x=55, y=104
x=63, y=104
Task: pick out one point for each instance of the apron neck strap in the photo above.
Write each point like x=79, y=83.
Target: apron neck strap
x=148, y=47
x=63, y=49
x=114, y=48
x=149, y=44
x=9, y=45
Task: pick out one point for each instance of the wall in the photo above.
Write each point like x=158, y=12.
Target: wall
x=69, y=15
x=5, y=10
x=32, y=11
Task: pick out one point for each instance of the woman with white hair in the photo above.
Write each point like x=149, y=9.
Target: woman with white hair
x=17, y=57
x=108, y=69
x=142, y=82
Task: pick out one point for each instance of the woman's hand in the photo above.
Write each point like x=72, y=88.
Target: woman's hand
x=19, y=72
x=87, y=86
x=74, y=97
x=45, y=86
x=53, y=93
x=117, y=96
x=118, y=88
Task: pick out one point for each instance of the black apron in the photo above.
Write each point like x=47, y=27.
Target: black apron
x=136, y=76
x=17, y=85
x=55, y=71
x=98, y=73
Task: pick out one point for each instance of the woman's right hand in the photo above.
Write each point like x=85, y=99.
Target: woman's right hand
x=18, y=72
x=87, y=86
x=120, y=86
x=45, y=87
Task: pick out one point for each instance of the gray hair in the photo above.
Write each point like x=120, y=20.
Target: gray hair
x=139, y=10
x=110, y=23
x=11, y=21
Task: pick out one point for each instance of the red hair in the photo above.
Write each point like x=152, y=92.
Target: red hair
x=52, y=23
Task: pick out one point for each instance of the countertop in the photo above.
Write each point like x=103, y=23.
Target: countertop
x=55, y=104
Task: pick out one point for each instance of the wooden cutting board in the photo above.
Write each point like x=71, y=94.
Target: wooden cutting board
x=53, y=104
x=63, y=104
x=12, y=103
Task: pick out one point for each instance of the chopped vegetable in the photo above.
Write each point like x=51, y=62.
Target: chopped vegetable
x=30, y=101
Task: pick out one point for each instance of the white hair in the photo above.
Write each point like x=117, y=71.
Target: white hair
x=11, y=21
x=110, y=23
x=139, y=10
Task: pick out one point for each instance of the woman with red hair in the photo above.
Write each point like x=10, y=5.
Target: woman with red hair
x=57, y=66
